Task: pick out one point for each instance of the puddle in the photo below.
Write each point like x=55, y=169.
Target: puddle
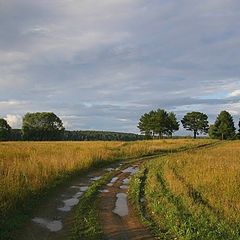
x=53, y=226
x=131, y=170
x=121, y=206
x=71, y=202
x=84, y=188
x=112, y=181
x=78, y=194
x=126, y=181
x=142, y=199
x=104, y=191
x=95, y=178
x=110, y=169
x=75, y=187
x=124, y=187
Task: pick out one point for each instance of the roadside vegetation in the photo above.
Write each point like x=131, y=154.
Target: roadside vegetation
x=29, y=170
x=85, y=223
x=191, y=195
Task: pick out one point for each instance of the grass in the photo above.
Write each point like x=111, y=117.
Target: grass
x=30, y=170
x=86, y=220
x=192, y=194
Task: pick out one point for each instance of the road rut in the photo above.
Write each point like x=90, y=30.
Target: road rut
x=117, y=216
x=53, y=219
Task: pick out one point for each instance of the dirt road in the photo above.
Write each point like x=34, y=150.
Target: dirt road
x=52, y=220
x=116, y=213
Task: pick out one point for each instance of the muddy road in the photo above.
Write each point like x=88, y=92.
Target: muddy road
x=116, y=213
x=53, y=219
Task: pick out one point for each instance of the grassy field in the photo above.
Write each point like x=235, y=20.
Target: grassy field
x=29, y=170
x=193, y=194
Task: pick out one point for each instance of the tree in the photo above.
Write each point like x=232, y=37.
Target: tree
x=238, y=134
x=196, y=122
x=5, y=130
x=212, y=131
x=173, y=124
x=160, y=125
x=239, y=126
x=158, y=122
x=42, y=126
x=145, y=125
x=223, y=127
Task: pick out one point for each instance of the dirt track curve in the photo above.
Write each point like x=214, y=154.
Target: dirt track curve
x=52, y=219
x=116, y=213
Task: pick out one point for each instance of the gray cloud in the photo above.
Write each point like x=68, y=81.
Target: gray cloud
x=101, y=64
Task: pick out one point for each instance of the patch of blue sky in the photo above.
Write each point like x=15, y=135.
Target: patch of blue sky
x=214, y=95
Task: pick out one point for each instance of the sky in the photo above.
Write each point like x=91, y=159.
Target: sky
x=102, y=64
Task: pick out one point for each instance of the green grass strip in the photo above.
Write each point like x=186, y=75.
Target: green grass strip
x=168, y=215
x=86, y=216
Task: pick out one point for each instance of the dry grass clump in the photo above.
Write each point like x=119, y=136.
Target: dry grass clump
x=195, y=194
x=28, y=167
x=144, y=148
x=215, y=174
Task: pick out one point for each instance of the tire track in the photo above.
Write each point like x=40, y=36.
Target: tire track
x=117, y=216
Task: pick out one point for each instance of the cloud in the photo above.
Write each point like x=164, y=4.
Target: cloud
x=15, y=121
x=235, y=93
x=97, y=63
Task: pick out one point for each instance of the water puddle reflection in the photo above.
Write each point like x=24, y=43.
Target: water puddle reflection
x=104, y=191
x=131, y=170
x=52, y=226
x=121, y=206
x=95, y=178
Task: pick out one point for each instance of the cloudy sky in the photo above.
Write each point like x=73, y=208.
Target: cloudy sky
x=101, y=64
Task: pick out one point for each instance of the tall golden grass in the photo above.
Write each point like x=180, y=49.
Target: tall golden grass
x=195, y=194
x=27, y=168
x=214, y=173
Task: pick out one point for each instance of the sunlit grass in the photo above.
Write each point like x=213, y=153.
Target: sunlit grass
x=195, y=194
x=30, y=169
x=215, y=173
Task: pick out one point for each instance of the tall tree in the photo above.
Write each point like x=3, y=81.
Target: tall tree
x=212, y=132
x=42, y=126
x=158, y=122
x=5, y=130
x=238, y=134
x=196, y=122
x=144, y=124
x=173, y=124
x=223, y=127
x=239, y=126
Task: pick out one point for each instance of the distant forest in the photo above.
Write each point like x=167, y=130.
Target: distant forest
x=47, y=126
x=16, y=135
x=100, y=135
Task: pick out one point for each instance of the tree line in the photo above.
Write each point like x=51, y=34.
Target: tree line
x=47, y=126
x=100, y=135
x=161, y=123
